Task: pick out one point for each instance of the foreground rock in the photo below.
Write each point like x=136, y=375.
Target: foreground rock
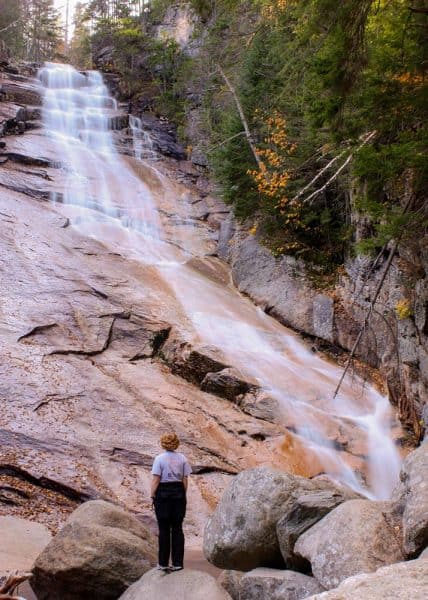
x=411, y=498
x=231, y=582
x=276, y=584
x=182, y=585
x=261, y=515
x=401, y=581
x=241, y=534
x=356, y=537
x=306, y=510
x=100, y=552
x=21, y=543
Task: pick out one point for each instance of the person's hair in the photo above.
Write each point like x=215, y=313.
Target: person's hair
x=169, y=441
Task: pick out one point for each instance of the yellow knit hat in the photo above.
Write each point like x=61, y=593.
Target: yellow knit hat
x=169, y=441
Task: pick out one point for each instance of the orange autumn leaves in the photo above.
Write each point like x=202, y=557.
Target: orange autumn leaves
x=273, y=176
x=271, y=9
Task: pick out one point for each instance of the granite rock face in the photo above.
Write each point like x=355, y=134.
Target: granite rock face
x=398, y=347
x=358, y=536
x=411, y=498
x=279, y=286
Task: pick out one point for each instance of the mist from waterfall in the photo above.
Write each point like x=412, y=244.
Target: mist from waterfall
x=108, y=201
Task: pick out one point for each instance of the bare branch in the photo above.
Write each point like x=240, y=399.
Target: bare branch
x=323, y=170
x=8, y=586
x=229, y=139
x=372, y=303
x=242, y=116
x=10, y=25
x=423, y=11
x=335, y=175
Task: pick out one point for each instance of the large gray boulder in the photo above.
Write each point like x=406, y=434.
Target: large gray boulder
x=182, y=585
x=411, y=500
x=401, y=581
x=306, y=510
x=241, y=533
x=100, y=552
x=358, y=536
x=276, y=584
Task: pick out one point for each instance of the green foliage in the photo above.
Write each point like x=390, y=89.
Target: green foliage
x=335, y=71
x=30, y=28
x=80, y=47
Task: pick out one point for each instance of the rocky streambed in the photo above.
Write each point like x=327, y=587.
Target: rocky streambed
x=100, y=352
x=277, y=536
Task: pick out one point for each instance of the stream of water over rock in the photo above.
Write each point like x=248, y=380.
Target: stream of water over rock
x=106, y=197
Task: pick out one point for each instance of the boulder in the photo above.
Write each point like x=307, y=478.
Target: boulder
x=358, y=536
x=228, y=383
x=277, y=584
x=191, y=361
x=182, y=585
x=400, y=581
x=296, y=586
x=411, y=500
x=306, y=510
x=241, y=533
x=424, y=554
x=100, y=552
x=21, y=543
x=231, y=582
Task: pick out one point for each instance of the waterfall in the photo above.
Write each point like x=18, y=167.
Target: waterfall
x=142, y=142
x=106, y=198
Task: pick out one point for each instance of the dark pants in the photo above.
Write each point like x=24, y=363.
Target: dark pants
x=170, y=509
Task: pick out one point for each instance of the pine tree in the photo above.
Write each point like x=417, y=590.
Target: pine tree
x=43, y=30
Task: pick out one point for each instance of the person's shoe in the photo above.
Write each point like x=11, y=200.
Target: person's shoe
x=162, y=568
x=174, y=568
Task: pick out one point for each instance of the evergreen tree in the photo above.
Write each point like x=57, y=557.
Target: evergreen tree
x=43, y=30
x=30, y=28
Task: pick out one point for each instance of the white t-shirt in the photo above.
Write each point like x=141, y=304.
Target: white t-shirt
x=171, y=466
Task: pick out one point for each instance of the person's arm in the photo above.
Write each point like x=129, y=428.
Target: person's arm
x=187, y=469
x=154, y=486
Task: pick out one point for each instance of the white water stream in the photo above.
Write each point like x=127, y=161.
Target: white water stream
x=110, y=202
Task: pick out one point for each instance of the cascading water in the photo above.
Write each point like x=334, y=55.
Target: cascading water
x=142, y=142
x=79, y=114
x=106, y=199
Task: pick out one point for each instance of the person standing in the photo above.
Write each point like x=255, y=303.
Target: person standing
x=170, y=474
